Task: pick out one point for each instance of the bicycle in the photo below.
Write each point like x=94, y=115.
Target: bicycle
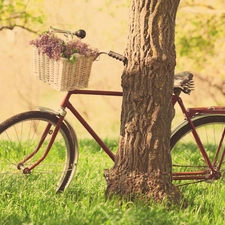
x=42, y=145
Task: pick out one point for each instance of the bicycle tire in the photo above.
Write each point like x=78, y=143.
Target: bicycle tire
x=22, y=133
x=185, y=153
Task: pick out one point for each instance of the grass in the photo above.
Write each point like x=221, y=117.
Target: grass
x=84, y=201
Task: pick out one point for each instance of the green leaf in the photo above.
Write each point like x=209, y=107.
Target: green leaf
x=72, y=59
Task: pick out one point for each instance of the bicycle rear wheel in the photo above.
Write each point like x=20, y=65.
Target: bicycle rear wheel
x=185, y=153
x=19, y=137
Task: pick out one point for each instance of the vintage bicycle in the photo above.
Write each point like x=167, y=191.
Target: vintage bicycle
x=42, y=146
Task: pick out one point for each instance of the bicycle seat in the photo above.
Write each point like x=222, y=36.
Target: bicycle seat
x=184, y=82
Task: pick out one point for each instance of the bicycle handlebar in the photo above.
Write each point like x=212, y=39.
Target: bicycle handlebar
x=80, y=33
x=118, y=56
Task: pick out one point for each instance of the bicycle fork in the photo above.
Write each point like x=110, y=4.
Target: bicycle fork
x=47, y=132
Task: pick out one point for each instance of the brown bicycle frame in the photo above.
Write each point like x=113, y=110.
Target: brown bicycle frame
x=213, y=172
x=188, y=113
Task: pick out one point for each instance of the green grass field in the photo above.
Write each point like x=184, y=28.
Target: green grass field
x=84, y=201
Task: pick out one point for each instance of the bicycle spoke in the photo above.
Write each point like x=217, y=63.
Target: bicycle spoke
x=186, y=154
x=20, y=142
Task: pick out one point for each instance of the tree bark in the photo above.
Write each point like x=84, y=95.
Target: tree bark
x=143, y=164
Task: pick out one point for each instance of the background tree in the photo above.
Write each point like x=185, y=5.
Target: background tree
x=19, y=20
x=16, y=13
x=143, y=162
x=200, y=38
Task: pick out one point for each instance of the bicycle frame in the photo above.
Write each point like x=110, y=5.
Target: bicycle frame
x=213, y=172
x=66, y=104
x=188, y=113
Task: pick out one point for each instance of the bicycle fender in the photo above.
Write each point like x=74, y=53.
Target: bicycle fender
x=44, y=109
x=57, y=113
x=72, y=132
x=185, y=122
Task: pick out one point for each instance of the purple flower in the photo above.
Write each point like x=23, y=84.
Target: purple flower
x=55, y=47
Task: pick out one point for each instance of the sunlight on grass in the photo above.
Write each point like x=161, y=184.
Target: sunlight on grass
x=84, y=201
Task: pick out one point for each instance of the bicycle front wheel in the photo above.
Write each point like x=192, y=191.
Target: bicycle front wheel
x=20, y=137
x=185, y=152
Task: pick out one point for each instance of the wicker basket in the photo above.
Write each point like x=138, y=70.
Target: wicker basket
x=62, y=75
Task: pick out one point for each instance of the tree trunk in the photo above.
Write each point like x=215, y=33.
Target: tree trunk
x=143, y=163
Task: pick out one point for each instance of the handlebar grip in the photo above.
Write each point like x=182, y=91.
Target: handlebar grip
x=118, y=57
x=80, y=33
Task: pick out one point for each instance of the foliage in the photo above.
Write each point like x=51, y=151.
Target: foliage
x=84, y=201
x=199, y=32
x=19, y=13
x=116, y=3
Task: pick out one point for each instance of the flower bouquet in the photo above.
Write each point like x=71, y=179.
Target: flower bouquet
x=65, y=66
